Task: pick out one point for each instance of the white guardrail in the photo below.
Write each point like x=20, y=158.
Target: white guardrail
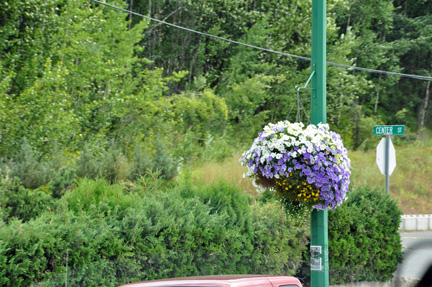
x=416, y=222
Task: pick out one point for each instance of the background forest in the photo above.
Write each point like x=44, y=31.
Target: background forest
x=107, y=93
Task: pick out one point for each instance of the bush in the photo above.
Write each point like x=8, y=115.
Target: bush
x=112, y=237
x=89, y=194
x=363, y=237
x=364, y=241
x=142, y=162
x=62, y=180
x=163, y=161
x=115, y=165
x=28, y=167
x=88, y=165
x=20, y=202
x=36, y=251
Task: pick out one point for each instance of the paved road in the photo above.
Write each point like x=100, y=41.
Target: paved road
x=417, y=247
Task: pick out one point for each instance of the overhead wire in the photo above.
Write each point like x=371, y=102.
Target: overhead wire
x=202, y=33
x=417, y=77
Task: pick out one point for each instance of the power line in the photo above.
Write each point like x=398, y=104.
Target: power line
x=203, y=33
x=417, y=77
x=424, y=78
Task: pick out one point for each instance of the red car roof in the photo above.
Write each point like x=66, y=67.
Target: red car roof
x=223, y=281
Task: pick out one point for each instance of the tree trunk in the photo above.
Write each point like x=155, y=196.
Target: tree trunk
x=130, y=14
x=423, y=109
x=376, y=103
x=356, y=117
x=377, y=98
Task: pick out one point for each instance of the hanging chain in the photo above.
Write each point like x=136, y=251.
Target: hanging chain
x=300, y=107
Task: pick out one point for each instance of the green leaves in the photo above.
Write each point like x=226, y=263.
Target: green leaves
x=110, y=237
x=363, y=237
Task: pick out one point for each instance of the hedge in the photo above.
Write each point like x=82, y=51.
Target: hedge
x=109, y=236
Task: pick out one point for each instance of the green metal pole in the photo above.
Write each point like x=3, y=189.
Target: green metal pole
x=318, y=107
x=319, y=218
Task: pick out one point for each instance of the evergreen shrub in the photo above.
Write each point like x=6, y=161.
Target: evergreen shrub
x=88, y=165
x=364, y=241
x=142, y=162
x=163, y=161
x=16, y=201
x=112, y=237
x=62, y=180
x=115, y=166
x=363, y=237
x=28, y=167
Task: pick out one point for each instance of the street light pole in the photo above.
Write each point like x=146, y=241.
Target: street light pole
x=319, y=218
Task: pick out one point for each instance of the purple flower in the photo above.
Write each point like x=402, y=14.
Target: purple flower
x=320, y=167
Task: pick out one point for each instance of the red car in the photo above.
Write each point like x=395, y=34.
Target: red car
x=223, y=281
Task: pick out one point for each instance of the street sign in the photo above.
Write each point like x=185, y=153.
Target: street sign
x=381, y=156
x=388, y=130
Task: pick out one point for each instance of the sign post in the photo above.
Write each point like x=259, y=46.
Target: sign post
x=319, y=221
x=385, y=152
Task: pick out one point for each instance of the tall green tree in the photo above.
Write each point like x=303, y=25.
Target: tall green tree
x=412, y=38
x=69, y=74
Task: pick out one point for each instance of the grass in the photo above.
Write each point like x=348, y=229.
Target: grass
x=410, y=183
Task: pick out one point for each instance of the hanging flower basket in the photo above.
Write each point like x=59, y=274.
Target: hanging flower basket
x=305, y=167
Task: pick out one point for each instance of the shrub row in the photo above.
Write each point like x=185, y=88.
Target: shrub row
x=106, y=236
x=58, y=172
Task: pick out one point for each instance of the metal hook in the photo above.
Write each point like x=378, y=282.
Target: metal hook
x=297, y=88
